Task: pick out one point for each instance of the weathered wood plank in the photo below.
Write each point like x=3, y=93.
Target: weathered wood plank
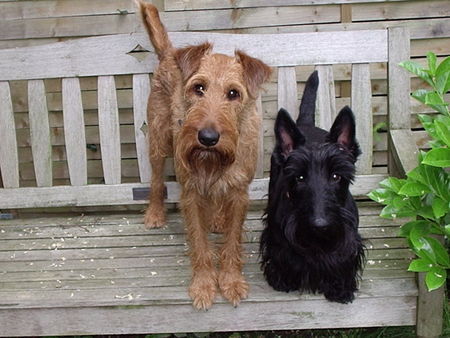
x=398, y=78
x=25, y=10
x=9, y=161
x=260, y=161
x=403, y=152
x=40, y=133
x=109, y=128
x=285, y=315
x=362, y=108
x=287, y=90
x=325, y=104
x=260, y=292
x=176, y=5
x=74, y=131
x=122, y=193
x=141, y=90
x=82, y=57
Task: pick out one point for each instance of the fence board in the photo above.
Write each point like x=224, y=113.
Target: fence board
x=9, y=160
x=74, y=131
x=260, y=161
x=108, y=120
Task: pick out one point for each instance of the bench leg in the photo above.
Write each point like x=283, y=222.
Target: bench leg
x=430, y=307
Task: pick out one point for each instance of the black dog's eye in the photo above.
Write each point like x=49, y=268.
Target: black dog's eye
x=335, y=177
x=233, y=94
x=199, y=89
x=300, y=179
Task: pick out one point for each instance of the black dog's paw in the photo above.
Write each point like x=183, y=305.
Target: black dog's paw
x=340, y=296
x=278, y=281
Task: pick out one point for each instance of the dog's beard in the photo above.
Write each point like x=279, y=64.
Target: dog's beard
x=208, y=166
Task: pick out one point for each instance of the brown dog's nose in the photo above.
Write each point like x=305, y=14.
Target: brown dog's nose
x=208, y=137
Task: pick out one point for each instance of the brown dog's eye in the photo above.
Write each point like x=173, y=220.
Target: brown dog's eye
x=233, y=94
x=199, y=89
x=336, y=177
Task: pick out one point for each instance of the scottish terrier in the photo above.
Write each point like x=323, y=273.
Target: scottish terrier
x=310, y=241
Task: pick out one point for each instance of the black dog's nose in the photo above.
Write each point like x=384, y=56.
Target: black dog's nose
x=320, y=222
x=208, y=137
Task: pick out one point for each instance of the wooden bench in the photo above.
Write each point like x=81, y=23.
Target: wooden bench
x=96, y=270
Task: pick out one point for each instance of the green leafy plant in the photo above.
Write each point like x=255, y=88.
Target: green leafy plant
x=424, y=195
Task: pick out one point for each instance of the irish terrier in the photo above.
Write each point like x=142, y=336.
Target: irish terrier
x=202, y=111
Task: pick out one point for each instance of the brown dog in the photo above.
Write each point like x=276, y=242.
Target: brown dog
x=202, y=111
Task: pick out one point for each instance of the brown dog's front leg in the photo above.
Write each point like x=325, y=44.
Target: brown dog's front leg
x=231, y=281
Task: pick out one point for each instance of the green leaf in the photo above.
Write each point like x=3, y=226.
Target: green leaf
x=420, y=265
x=437, y=180
x=433, y=98
x=416, y=175
x=392, y=183
x=443, y=82
x=447, y=229
x=440, y=252
x=442, y=131
x=418, y=70
x=420, y=94
x=421, y=245
x=431, y=58
x=443, y=67
x=390, y=211
x=413, y=189
x=440, y=207
x=406, y=228
x=382, y=196
x=435, y=278
x=439, y=157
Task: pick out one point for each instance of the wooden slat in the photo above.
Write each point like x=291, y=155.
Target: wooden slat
x=271, y=316
x=141, y=90
x=83, y=57
x=101, y=194
x=398, y=78
x=325, y=104
x=260, y=161
x=403, y=152
x=40, y=133
x=108, y=119
x=25, y=10
x=176, y=5
x=74, y=131
x=361, y=105
x=287, y=90
x=9, y=161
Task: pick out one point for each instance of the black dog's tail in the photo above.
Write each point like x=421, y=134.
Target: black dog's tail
x=308, y=104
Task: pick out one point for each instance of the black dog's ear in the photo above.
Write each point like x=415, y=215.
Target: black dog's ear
x=343, y=131
x=287, y=135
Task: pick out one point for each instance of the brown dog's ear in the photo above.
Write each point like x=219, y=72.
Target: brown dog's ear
x=189, y=58
x=256, y=72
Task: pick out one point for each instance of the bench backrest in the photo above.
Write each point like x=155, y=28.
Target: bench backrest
x=96, y=66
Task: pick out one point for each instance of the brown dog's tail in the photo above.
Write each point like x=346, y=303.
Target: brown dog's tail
x=155, y=28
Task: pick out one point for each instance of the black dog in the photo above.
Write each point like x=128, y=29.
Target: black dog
x=311, y=241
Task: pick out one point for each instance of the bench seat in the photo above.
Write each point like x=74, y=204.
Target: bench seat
x=107, y=274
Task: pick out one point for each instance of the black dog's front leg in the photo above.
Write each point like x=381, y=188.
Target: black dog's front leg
x=279, y=273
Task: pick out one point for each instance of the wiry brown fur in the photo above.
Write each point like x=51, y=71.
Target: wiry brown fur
x=214, y=179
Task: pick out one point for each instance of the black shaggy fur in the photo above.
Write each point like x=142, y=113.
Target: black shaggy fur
x=311, y=241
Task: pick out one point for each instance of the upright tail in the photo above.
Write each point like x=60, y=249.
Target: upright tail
x=156, y=30
x=308, y=104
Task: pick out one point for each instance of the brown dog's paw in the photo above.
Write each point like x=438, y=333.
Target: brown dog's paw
x=202, y=292
x=154, y=218
x=233, y=287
